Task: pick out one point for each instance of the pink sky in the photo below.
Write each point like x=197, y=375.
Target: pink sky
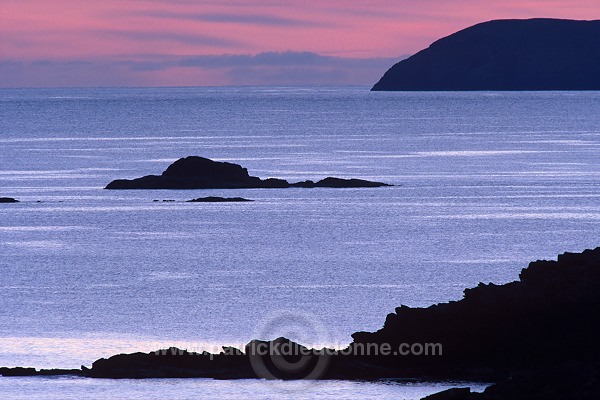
x=191, y=42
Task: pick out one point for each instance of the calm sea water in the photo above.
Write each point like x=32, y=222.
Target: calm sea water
x=486, y=182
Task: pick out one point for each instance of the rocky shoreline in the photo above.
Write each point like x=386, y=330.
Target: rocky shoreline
x=535, y=338
x=202, y=173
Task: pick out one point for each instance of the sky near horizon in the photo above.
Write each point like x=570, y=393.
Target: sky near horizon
x=64, y=43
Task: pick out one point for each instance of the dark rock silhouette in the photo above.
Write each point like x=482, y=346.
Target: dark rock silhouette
x=213, y=199
x=20, y=371
x=548, y=317
x=536, y=337
x=202, y=173
x=194, y=173
x=231, y=363
x=8, y=200
x=338, y=183
x=451, y=394
x=172, y=363
x=573, y=380
x=534, y=54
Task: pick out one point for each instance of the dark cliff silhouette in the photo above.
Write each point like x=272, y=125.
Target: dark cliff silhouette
x=537, y=337
x=533, y=54
x=202, y=173
x=541, y=332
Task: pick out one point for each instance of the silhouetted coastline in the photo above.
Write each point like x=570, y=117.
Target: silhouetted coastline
x=536, y=337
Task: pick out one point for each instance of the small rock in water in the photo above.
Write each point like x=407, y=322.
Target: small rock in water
x=195, y=172
x=214, y=199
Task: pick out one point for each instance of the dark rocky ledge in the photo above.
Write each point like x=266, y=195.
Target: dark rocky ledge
x=537, y=338
x=20, y=371
x=213, y=199
x=202, y=173
x=339, y=183
x=8, y=200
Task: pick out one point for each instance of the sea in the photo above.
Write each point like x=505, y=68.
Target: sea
x=484, y=183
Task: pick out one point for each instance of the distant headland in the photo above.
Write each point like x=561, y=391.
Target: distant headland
x=195, y=172
x=532, y=54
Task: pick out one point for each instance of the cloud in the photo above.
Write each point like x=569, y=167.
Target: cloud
x=169, y=36
x=268, y=68
x=279, y=59
x=232, y=18
x=293, y=68
x=182, y=42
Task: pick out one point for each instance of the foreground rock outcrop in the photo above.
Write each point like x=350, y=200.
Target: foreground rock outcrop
x=202, y=173
x=572, y=380
x=537, y=338
x=534, y=54
x=547, y=317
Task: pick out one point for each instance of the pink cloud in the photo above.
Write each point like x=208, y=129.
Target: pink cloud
x=64, y=30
